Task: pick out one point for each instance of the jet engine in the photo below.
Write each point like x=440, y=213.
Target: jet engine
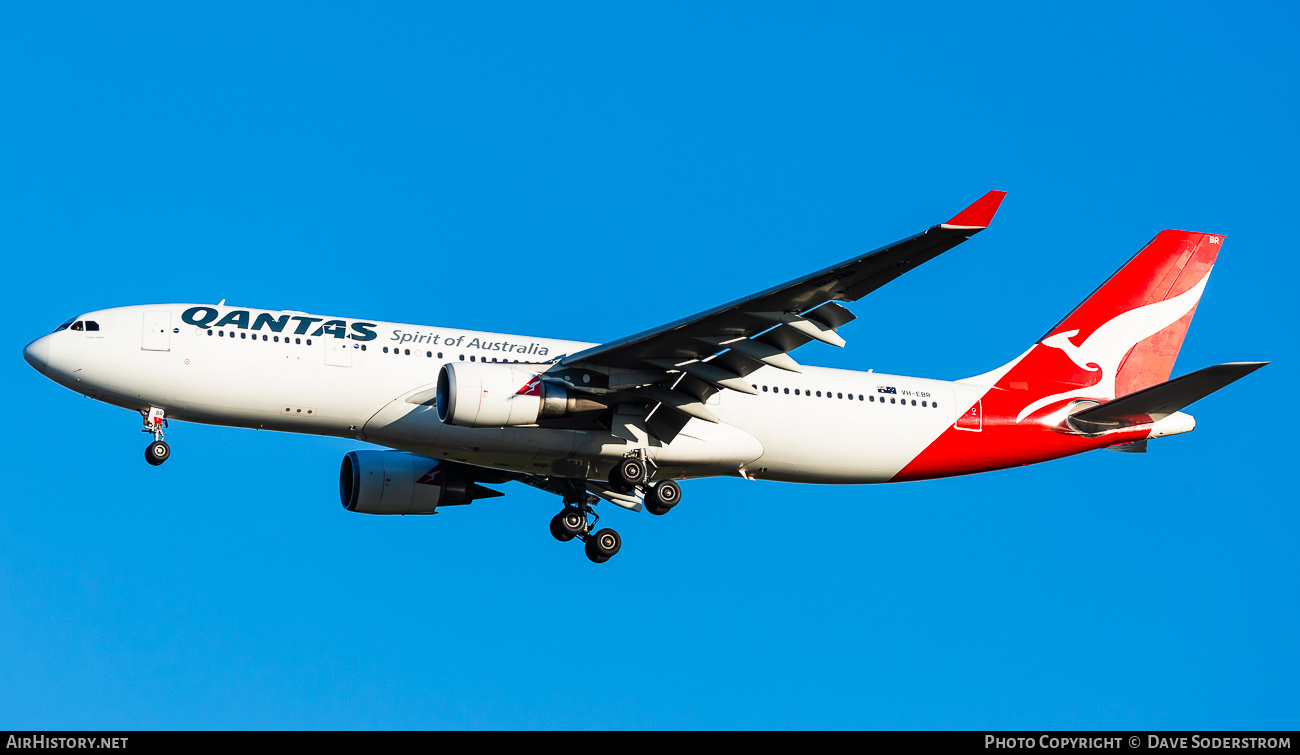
x=479, y=394
x=394, y=482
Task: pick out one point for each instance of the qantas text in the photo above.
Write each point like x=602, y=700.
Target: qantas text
x=207, y=317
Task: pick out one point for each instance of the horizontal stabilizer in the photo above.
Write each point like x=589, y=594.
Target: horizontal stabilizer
x=1161, y=400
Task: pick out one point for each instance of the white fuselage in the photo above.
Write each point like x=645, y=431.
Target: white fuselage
x=314, y=375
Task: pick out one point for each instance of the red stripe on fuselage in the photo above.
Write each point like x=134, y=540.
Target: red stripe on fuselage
x=1003, y=443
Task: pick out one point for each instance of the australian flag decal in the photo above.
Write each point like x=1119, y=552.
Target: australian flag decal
x=886, y=389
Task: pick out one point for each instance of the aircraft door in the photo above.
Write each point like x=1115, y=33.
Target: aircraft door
x=338, y=352
x=968, y=398
x=157, y=334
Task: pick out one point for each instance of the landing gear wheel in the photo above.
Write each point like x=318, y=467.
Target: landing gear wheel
x=627, y=475
x=662, y=496
x=157, y=452
x=603, y=545
x=557, y=528
x=568, y=524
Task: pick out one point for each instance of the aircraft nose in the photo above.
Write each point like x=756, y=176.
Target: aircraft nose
x=37, y=354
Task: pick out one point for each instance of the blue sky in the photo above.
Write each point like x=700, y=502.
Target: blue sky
x=509, y=168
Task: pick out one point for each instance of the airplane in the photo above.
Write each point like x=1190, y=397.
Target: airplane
x=714, y=394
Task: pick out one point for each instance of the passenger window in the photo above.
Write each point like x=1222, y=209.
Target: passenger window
x=243, y=335
x=839, y=395
x=913, y=402
x=309, y=342
x=819, y=394
x=429, y=354
x=385, y=349
x=787, y=390
x=891, y=400
x=440, y=355
x=765, y=389
x=298, y=341
x=471, y=358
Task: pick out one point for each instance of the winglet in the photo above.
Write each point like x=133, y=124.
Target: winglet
x=979, y=214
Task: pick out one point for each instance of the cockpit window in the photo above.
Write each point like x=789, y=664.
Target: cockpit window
x=74, y=324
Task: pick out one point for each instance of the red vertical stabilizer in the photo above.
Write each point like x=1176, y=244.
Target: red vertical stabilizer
x=1122, y=338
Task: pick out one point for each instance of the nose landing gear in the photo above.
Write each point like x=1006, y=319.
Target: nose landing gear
x=157, y=452
x=154, y=422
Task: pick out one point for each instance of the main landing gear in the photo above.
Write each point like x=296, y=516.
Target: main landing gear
x=154, y=422
x=578, y=519
x=634, y=472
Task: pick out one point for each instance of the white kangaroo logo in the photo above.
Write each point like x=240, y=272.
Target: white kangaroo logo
x=1108, y=344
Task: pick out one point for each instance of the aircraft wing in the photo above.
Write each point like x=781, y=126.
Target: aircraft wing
x=716, y=349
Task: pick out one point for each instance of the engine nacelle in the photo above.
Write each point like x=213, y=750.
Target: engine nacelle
x=497, y=394
x=394, y=482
